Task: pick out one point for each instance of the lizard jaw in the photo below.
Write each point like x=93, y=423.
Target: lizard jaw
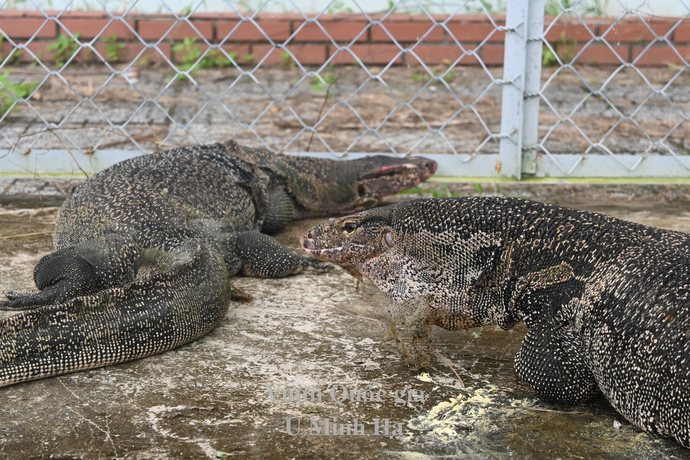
x=335, y=255
x=311, y=242
x=320, y=253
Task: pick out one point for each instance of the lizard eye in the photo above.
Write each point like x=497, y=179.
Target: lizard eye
x=388, y=239
x=350, y=227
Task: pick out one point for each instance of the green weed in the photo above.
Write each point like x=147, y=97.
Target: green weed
x=113, y=48
x=39, y=57
x=3, y=54
x=548, y=58
x=411, y=191
x=318, y=85
x=597, y=8
x=555, y=7
x=565, y=52
x=446, y=74
x=339, y=7
x=441, y=190
x=64, y=48
x=488, y=6
x=186, y=10
x=190, y=61
x=286, y=61
x=18, y=90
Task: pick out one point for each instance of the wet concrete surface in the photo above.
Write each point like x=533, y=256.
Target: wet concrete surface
x=222, y=397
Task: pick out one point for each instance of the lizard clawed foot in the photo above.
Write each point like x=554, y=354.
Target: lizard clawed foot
x=415, y=351
x=410, y=328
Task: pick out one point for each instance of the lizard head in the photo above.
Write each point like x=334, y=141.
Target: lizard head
x=325, y=187
x=413, y=246
x=321, y=187
x=351, y=240
x=376, y=177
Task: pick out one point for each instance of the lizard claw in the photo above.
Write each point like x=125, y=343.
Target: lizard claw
x=239, y=294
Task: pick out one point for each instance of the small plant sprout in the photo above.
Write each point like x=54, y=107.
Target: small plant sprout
x=10, y=91
x=113, y=48
x=324, y=83
x=191, y=59
x=65, y=47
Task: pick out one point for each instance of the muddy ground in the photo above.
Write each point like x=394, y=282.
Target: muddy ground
x=375, y=109
x=211, y=399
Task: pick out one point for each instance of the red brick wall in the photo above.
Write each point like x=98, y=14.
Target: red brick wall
x=373, y=45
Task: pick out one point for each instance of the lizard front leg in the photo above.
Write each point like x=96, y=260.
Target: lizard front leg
x=413, y=317
x=552, y=362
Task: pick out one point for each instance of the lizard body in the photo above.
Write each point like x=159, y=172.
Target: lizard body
x=606, y=302
x=145, y=249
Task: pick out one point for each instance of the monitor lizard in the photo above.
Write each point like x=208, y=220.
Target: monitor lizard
x=606, y=302
x=145, y=249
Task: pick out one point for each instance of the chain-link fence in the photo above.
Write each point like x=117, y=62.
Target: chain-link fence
x=519, y=94
x=628, y=114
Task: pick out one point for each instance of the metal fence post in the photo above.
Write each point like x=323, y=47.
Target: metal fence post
x=521, y=76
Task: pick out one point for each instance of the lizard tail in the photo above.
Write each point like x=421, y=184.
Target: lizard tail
x=142, y=318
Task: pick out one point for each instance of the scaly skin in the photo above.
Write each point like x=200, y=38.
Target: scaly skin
x=144, y=250
x=607, y=302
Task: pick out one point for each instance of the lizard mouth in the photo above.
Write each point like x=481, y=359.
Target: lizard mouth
x=312, y=242
x=391, y=170
x=308, y=243
x=319, y=252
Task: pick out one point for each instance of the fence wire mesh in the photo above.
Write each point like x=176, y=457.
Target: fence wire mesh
x=393, y=82
x=627, y=110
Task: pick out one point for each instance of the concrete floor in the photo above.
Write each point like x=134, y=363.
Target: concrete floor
x=222, y=397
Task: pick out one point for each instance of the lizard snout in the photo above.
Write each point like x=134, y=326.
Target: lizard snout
x=318, y=243
x=309, y=240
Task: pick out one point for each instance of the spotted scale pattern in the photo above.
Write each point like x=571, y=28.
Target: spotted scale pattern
x=607, y=302
x=145, y=249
